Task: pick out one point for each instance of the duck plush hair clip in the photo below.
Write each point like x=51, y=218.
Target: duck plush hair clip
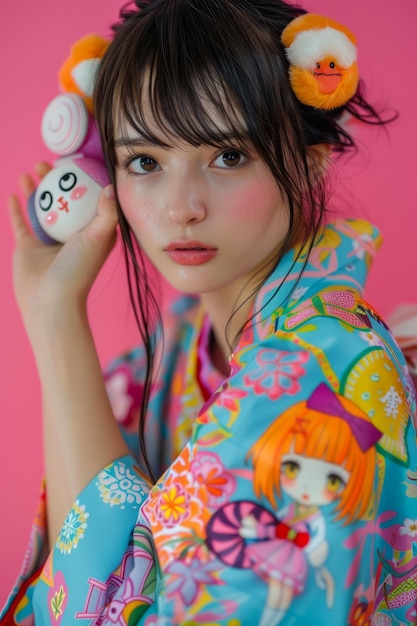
x=65, y=200
x=322, y=56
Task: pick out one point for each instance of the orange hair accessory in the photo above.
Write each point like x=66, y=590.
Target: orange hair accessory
x=77, y=73
x=322, y=56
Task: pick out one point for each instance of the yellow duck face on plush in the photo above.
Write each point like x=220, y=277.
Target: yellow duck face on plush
x=328, y=75
x=322, y=56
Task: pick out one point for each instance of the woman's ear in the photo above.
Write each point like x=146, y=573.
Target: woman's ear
x=319, y=160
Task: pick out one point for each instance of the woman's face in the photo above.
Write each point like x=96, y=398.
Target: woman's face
x=209, y=219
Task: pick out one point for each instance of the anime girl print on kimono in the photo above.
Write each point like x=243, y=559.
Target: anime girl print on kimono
x=318, y=453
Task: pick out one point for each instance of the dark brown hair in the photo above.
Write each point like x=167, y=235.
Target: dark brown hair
x=186, y=57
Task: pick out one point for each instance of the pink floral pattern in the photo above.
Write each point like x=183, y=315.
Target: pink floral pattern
x=209, y=472
x=277, y=373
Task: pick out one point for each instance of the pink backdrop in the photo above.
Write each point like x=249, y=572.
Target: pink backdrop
x=35, y=38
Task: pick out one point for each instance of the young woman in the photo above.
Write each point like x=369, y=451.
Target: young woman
x=275, y=413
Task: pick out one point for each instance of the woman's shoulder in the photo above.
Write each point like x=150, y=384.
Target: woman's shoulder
x=340, y=338
x=339, y=257
x=319, y=329
x=319, y=306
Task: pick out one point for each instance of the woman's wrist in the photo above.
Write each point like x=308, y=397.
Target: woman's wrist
x=56, y=328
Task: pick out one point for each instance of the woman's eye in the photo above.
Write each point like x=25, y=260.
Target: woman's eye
x=144, y=165
x=45, y=201
x=229, y=158
x=67, y=181
x=290, y=469
x=334, y=483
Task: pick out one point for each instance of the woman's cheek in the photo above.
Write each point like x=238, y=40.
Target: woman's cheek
x=135, y=209
x=247, y=202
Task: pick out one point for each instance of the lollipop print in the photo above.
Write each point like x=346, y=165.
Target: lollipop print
x=223, y=537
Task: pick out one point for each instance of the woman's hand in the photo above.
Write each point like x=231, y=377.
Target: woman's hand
x=57, y=276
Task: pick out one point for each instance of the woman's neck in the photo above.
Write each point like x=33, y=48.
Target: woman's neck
x=229, y=309
x=219, y=311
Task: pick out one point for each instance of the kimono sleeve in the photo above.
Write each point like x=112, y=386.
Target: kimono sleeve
x=281, y=505
x=87, y=562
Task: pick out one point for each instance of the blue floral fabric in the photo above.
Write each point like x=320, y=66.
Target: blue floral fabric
x=288, y=490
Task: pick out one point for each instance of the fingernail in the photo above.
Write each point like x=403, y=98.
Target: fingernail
x=109, y=192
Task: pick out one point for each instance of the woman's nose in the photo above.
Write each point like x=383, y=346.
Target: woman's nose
x=186, y=200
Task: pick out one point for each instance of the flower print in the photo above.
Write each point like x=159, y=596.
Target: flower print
x=209, y=472
x=361, y=245
x=409, y=528
x=125, y=394
x=372, y=338
x=117, y=386
x=118, y=485
x=189, y=579
x=180, y=501
x=277, y=372
x=73, y=529
x=57, y=598
x=229, y=398
x=172, y=505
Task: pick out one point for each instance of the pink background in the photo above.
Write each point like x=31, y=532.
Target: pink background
x=379, y=183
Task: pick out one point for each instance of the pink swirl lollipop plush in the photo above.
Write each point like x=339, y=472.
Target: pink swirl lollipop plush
x=66, y=198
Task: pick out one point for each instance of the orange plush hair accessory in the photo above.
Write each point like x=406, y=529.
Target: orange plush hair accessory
x=77, y=73
x=322, y=57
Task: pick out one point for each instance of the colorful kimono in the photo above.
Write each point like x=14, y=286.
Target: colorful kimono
x=287, y=492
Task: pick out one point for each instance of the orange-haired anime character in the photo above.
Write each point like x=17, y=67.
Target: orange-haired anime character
x=318, y=452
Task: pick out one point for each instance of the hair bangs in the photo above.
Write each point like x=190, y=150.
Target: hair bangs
x=199, y=110
x=193, y=91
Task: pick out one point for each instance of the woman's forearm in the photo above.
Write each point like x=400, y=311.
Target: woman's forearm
x=81, y=435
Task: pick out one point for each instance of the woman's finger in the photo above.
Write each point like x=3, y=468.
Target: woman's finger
x=27, y=184
x=19, y=226
x=104, y=224
x=42, y=168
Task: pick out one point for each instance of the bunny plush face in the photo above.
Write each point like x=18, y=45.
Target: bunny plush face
x=66, y=200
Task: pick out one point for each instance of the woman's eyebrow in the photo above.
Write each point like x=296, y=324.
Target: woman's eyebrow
x=221, y=139
x=126, y=142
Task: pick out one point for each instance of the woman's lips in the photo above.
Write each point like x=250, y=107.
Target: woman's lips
x=190, y=253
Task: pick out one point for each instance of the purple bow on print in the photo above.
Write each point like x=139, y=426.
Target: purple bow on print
x=325, y=401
